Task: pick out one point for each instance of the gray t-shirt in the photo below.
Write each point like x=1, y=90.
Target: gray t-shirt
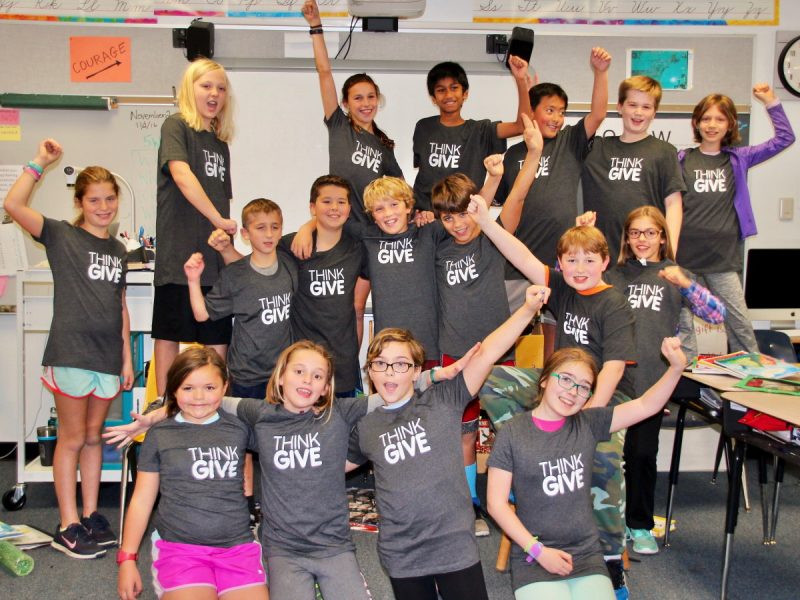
x=552, y=480
x=180, y=228
x=400, y=269
x=302, y=459
x=656, y=304
x=472, y=293
x=323, y=309
x=200, y=471
x=88, y=282
x=598, y=320
x=426, y=516
x=359, y=157
x=551, y=205
x=261, y=305
x=440, y=151
x=710, y=241
x=619, y=176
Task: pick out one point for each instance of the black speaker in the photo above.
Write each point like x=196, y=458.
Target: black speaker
x=521, y=44
x=200, y=40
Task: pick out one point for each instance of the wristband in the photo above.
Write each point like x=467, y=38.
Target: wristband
x=433, y=374
x=535, y=552
x=315, y=30
x=122, y=556
x=32, y=172
x=36, y=167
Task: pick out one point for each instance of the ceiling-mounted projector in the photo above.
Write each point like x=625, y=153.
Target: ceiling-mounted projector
x=386, y=8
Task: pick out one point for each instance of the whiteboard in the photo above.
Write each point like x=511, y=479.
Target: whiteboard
x=124, y=140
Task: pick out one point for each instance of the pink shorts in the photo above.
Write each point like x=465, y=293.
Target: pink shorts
x=81, y=383
x=177, y=566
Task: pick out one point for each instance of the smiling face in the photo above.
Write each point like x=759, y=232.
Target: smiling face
x=637, y=112
x=391, y=215
x=99, y=205
x=200, y=394
x=582, y=270
x=549, y=115
x=361, y=104
x=390, y=385
x=331, y=207
x=304, y=380
x=557, y=401
x=210, y=93
x=461, y=226
x=713, y=126
x=449, y=96
x=650, y=249
x=263, y=231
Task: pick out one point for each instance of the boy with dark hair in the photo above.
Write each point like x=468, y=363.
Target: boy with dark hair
x=469, y=282
x=447, y=143
x=551, y=205
x=625, y=172
x=596, y=317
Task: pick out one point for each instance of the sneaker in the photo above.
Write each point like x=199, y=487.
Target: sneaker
x=616, y=572
x=481, y=526
x=100, y=529
x=76, y=542
x=643, y=541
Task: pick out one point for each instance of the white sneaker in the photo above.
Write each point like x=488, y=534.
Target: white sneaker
x=481, y=526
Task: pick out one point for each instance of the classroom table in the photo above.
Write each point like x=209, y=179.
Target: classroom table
x=780, y=406
x=687, y=397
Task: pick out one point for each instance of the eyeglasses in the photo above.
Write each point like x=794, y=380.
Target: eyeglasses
x=649, y=234
x=568, y=383
x=379, y=366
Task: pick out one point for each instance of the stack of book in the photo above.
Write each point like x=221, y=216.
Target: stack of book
x=757, y=372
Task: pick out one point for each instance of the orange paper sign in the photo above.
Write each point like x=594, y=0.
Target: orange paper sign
x=99, y=59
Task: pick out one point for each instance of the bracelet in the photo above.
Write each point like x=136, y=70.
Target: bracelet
x=315, y=30
x=36, y=167
x=535, y=552
x=433, y=374
x=122, y=556
x=32, y=172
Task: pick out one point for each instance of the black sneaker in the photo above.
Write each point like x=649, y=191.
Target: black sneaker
x=76, y=542
x=100, y=529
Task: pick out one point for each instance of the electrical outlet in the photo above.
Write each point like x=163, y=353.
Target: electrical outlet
x=785, y=209
x=496, y=43
x=179, y=38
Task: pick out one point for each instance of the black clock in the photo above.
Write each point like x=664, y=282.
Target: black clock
x=789, y=66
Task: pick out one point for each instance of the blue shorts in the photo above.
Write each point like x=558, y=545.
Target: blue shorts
x=80, y=383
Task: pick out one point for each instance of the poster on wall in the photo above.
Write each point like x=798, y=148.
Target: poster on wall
x=635, y=12
x=671, y=68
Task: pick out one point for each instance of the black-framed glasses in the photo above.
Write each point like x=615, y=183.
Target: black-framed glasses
x=379, y=366
x=568, y=383
x=649, y=234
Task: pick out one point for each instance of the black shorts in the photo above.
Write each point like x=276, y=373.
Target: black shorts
x=173, y=319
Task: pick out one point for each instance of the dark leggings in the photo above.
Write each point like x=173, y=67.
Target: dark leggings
x=641, y=450
x=466, y=583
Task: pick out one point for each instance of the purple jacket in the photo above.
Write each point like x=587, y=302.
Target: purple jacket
x=744, y=157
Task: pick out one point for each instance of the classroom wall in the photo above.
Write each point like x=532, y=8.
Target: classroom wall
x=554, y=59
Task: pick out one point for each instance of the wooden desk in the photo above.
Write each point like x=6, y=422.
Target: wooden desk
x=783, y=407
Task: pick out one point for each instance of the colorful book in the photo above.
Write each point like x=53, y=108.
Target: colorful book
x=773, y=386
x=754, y=364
